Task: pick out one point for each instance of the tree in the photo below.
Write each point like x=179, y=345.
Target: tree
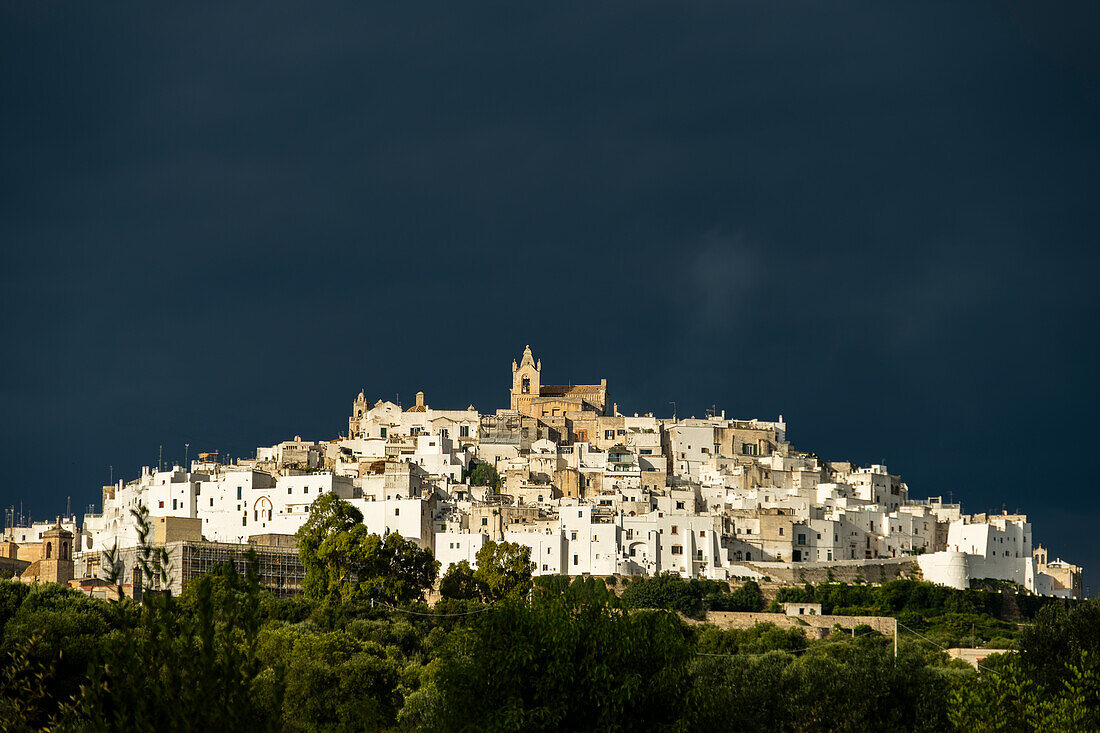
x=547, y=665
x=483, y=474
x=460, y=583
x=666, y=590
x=1052, y=684
x=344, y=561
x=503, y=571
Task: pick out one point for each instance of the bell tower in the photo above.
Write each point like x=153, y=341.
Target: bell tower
x=358, y=411
x=526, y=379
x=56, y=563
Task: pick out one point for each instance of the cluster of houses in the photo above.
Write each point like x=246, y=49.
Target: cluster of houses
x=588, y=489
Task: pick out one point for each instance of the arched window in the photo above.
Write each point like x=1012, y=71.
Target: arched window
x=748, y=555
x=526, y=385
x=49, y=550
x=261, y=510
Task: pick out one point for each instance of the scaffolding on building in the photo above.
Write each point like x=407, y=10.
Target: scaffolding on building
x=279, y=569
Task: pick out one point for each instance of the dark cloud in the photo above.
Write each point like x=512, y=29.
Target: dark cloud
x=218, y=224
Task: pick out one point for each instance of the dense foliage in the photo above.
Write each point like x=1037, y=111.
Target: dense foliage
x=226, y=655
x=691, y=597
x=946, y=616
x=503, y=571
x=500, y=652
x=483, y=473
x=344, y=561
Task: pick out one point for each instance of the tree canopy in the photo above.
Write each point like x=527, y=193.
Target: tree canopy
x=484, y=474
x=503, y=571
x=345, y=562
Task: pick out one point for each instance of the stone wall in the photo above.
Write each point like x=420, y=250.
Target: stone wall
x=819, y=624
x=847, y=571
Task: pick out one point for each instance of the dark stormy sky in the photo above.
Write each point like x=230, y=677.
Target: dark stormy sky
x=878, y=219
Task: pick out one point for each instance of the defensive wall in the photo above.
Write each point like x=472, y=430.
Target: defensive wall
x=814, y=625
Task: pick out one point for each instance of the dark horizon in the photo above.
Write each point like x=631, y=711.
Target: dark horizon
x=878, y=221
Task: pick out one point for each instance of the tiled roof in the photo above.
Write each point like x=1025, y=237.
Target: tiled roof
x=564, y=389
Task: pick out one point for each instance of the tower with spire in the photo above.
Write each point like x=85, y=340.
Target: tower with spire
x=526, y=379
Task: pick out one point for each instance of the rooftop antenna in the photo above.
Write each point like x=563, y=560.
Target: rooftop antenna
x=186, y=453
x=160, y=458
x=111, y=473
x=673, y=410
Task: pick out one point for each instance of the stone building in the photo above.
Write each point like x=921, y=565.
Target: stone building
x=531, y=397
x=55, y=563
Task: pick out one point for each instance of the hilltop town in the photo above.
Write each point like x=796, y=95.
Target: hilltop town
x=561, y=471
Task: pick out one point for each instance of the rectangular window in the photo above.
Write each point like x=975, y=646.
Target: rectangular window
x=679, y=505
x=464, y=431
x=397, y=511
x=383, y=432
x=238, y=493
x=289, y=490
x=801, y=539
x=780, y=530
x=160, y=505
x=484, y=521
x=575, y=560
x=572, y=535
x=677, y=549
x=675, y=529
x=244, y=521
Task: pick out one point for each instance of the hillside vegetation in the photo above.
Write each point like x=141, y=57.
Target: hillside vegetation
x=502, y=652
